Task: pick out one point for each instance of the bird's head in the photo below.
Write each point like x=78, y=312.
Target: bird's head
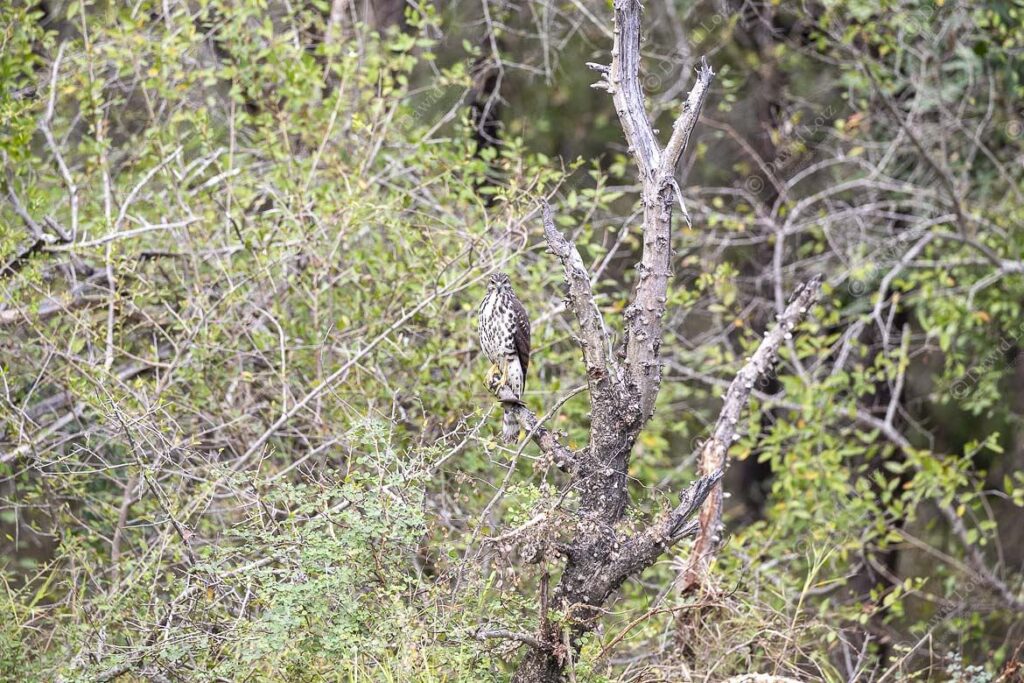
x=498, y=281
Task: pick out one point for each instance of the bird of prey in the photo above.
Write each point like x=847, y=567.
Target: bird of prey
x=505, y=338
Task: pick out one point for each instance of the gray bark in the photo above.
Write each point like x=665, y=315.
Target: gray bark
x=600, y=556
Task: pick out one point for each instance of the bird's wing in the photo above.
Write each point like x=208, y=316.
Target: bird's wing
x=521, y=334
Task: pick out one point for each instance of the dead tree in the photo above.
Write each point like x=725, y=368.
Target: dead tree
x=624, y=383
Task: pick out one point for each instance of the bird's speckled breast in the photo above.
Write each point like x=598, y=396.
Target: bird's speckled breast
x=495, y=326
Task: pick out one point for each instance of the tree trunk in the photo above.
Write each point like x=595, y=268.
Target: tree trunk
x=601, y=555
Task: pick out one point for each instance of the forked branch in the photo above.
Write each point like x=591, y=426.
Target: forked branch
x=622, y=396
x=643, y=317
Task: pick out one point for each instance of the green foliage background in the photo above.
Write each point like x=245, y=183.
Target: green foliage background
x=244, y=432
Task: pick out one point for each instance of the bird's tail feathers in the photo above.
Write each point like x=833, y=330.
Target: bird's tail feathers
x=509, y=427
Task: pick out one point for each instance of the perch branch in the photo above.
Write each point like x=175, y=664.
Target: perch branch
x=713, y=453
x=542, y=436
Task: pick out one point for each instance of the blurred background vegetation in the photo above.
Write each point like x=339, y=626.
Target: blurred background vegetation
x=243, y=428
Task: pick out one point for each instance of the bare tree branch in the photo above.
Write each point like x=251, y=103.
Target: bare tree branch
x=714, y=451
x=602, y=370
x=647, y=546
x=643, y=327
x=623, y=82
x=525, y=638
x=543, y=437
x=334, y=31
x=684, y=125
x=598, y=560
x=45, y=126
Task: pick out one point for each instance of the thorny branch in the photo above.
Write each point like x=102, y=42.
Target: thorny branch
x=713, y=452
x=602, y=370
x=545, y=439
x=599, y=560
x=46, y=127
x=643, y=317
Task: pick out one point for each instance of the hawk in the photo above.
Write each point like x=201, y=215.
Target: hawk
x=505, y=339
